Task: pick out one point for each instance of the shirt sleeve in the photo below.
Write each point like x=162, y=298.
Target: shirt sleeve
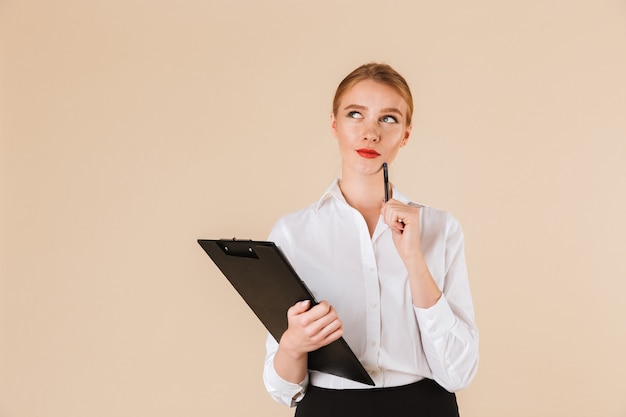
x=282, y=391
x=449, y=335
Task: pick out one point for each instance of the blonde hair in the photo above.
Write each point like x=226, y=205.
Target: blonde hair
x=381, y=73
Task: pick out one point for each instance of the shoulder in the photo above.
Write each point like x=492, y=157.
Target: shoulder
x=298, y=216
x=437, y=215
x=438, y=220
x=293, y=222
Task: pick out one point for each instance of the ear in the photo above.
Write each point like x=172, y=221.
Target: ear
x=333, y=124
x=407, y=133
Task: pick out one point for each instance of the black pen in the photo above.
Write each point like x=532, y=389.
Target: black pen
x=386, y=175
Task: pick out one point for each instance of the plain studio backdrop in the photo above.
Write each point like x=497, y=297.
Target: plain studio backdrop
x=129, y=129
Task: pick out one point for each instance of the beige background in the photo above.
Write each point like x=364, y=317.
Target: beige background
x=131, y=128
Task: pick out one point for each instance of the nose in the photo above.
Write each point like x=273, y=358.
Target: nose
x=372, y=132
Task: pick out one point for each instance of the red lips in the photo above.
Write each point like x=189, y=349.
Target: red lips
x=368, y=153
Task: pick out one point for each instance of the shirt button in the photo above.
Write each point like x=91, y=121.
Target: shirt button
x=374, y=305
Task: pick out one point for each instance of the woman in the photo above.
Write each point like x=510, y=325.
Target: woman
x=392, y=274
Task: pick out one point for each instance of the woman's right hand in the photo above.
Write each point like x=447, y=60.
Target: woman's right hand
x=310, y=328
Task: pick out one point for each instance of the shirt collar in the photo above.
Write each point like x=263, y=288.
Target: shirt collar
x=333, y=191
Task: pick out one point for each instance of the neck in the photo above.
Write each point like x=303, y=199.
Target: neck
x=363, y=192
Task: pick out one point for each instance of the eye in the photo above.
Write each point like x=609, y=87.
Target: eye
x=355, y=115
x=388, y=119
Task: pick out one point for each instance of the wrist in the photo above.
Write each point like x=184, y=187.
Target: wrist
x=290, y=364
x=424, y=290
x=290, y=348
x=416, y=265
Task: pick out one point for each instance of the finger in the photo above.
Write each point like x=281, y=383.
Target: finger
x=395, y=220
x=299, y=308
x=324, y=317
x=402, y=218
x=387, y=212
x=327, y=332
x=394, y=213
x=307, y=317
x=319, y=310
x=331, y=332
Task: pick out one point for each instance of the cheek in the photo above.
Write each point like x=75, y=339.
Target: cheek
x=346, y=132
x=395, y=135
x=395, y=141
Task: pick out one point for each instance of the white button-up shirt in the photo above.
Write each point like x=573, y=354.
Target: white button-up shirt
x=364, y=278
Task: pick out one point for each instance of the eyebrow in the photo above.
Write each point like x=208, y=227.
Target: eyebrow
x=385, y=110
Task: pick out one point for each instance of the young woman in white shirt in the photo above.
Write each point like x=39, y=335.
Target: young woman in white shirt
x=392, y=275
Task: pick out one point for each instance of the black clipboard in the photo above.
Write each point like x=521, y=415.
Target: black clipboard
x=267, y=282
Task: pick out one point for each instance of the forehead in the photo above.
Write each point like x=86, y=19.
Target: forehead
x=372, y=93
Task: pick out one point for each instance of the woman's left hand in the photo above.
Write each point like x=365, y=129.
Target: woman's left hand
x=404, y=221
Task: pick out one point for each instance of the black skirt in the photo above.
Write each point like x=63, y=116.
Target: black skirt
x=424, y=398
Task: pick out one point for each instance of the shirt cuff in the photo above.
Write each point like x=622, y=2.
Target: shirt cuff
x=436, y=320
x=285, y=391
